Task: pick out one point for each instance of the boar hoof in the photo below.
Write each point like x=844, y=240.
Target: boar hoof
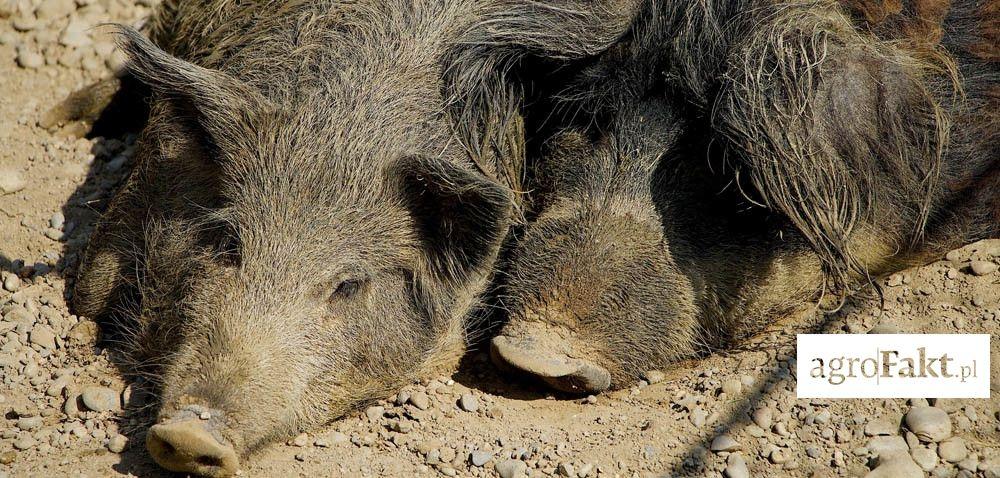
x=188, y=446
x=558, y=370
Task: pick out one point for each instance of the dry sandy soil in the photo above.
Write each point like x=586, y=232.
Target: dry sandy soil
x=53, y=185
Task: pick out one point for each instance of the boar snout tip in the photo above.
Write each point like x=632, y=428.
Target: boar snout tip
x=189, y=446
x=560, y=371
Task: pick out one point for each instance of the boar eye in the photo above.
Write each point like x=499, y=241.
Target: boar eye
x=346, y=289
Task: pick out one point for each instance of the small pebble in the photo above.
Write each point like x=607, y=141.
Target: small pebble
x=300, y=440
x=468, y=402
x=57, y=221
x=924, y=457
x=84, y=332
x=930, y=424
x=29, y=423
x=31, y=60
x=899, y=465
x=511, y=468
x=762, y=417
x=813, y=451
x=117, y=443
x=880, y=427
x=420, y=400
x=43, y=336
x=952, y=450
x=12, y=283
x=736, y=467
x=374, y=413
x=480, y=458
x=698, y=417
x=982, y=268
x=724, y=443
x=887, y=445
x=25, y=442
x=654, y=376
x=100, y=399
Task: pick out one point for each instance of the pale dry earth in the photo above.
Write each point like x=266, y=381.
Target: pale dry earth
x=476, y=423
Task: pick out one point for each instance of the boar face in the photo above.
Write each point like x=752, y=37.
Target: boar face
x=595, y=292
x=293, y=260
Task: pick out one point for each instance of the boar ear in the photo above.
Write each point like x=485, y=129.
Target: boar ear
x=560, y=29
x=461, y=216
x=218, y=103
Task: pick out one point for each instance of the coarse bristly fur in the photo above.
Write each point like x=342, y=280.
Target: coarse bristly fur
x=725, y=162
x=317, y=208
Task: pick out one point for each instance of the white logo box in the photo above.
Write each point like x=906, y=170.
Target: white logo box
x=893, y=366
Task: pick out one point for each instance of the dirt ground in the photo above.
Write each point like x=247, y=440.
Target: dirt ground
x=475, y=423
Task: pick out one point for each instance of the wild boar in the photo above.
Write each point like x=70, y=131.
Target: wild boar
x=728, y=161
x=317, y=206
x=319, y=199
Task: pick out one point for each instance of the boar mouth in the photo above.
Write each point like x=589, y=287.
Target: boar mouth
x=543, y=360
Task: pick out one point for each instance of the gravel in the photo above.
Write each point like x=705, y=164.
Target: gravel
x=952, y=450
x=762, y=417
x=898, y=465
x=930, y=424
x=880, y=427
x=117, y=443
x=11, y=282
x=924, y=457
x=31, y=59
x=374, y=413
x=100, y=399
x=43, y=336
x=480, y=457
x=982, y=268
x=887, y=445
x=511, y=468
x=724, y=443
x=468, y=402
x=736, y=467
x=420, y=400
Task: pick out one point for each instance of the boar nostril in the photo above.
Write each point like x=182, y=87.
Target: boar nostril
x=208, y=461
x=189, y=446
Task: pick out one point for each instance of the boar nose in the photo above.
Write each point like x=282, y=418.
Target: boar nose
x=188, y=446
x=532, y=355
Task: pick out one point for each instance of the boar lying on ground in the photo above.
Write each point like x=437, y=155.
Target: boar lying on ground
x=309, y=226
x=729, y=160
x=320, y=196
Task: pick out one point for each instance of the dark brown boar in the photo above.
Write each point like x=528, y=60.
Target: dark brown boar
x=319, y=199
x=728, y=161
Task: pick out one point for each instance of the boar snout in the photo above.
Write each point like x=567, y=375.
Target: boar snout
x=185, y=442
x=550, y=356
